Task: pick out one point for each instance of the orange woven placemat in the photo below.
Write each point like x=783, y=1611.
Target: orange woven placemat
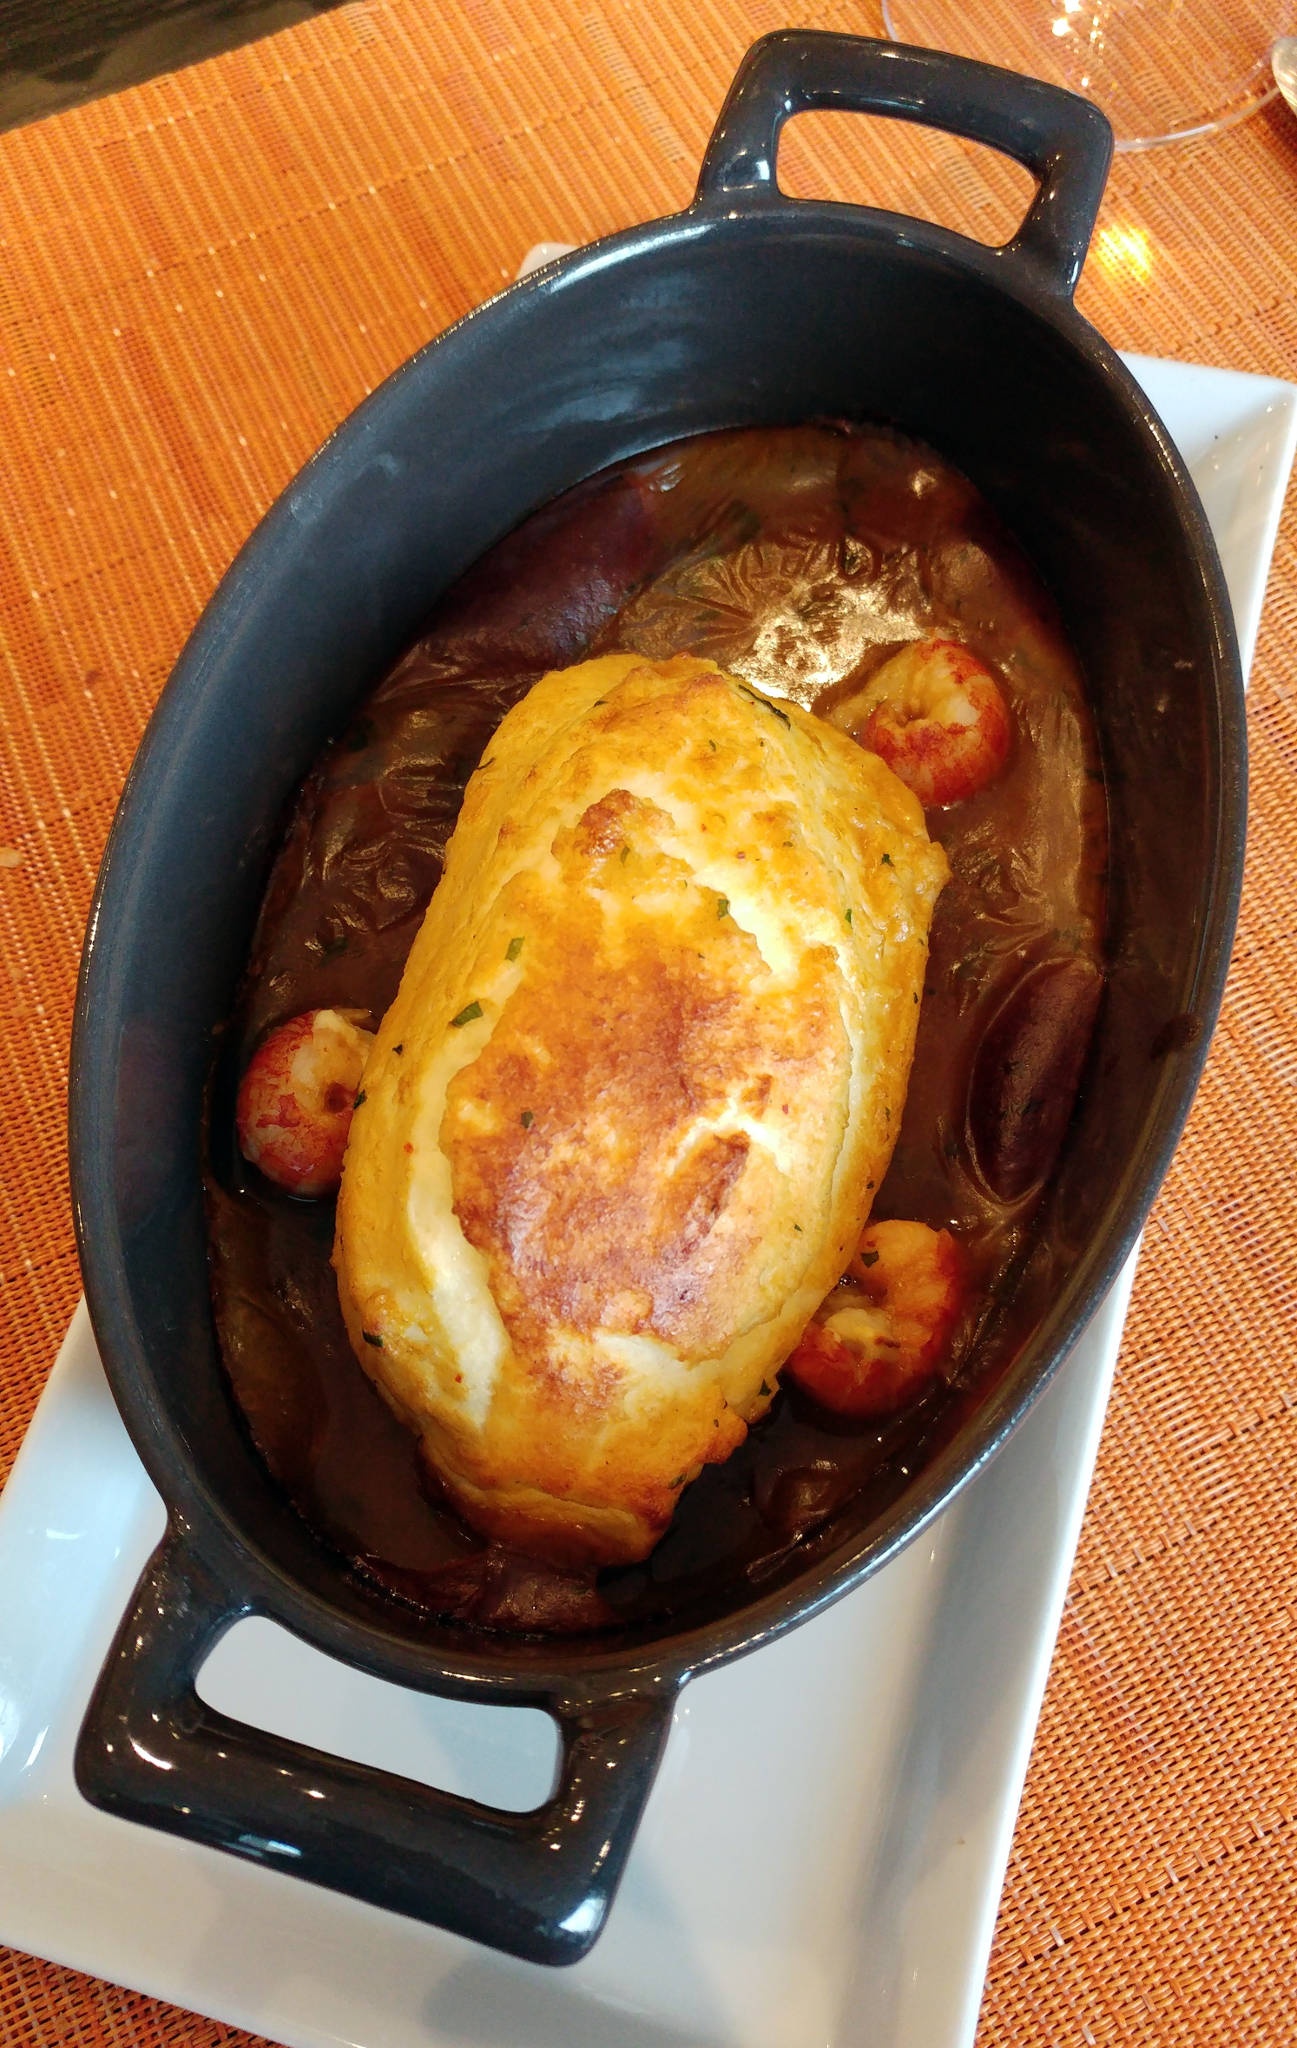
x=198, y=278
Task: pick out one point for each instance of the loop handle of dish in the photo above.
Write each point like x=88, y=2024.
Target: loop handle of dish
x=1064, y=141
x=536, y=1884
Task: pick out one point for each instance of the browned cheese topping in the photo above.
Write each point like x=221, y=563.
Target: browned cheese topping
x=655, y=1036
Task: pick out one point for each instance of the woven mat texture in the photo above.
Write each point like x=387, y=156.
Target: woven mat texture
x=198, y=279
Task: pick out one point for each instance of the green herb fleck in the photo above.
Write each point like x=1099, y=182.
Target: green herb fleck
x=679, y=1480
x=400, y=1047
x=766, y=705
x=847, y=915
x=487, y=764
x=372, y=1337
x=722, y=906
x=798, y=1228
x=526, y=1119
x=869, y=1184
x=869, y=1258
x=712, y=745
x=887, y=860
x=764, y=1388
x=513, y=949
x=469, y=1013
x=625, y=855
x=359, y=1099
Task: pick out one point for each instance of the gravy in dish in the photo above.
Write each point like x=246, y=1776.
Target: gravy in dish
x=799, y=559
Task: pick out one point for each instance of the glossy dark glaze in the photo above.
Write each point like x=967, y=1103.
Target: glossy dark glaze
x=798, y=558
x=732, y=314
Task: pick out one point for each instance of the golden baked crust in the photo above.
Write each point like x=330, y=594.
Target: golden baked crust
x=619, y=1127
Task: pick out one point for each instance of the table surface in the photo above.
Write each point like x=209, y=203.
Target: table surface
x=198, y=277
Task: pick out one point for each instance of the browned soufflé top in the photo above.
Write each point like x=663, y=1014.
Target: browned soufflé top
x=641, y=1062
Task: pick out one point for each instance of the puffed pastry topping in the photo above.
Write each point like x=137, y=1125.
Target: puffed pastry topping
x=619, y=1129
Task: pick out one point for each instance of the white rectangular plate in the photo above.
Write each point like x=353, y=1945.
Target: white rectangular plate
x=822, y=1855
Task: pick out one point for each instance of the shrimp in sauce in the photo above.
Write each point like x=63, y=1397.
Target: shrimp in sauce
x=296, y=1099
x=937, y=717
x=879, y=1340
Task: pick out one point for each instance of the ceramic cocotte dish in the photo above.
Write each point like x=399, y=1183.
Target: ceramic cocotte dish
x=745, y=309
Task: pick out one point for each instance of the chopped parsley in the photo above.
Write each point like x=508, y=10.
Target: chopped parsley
x=513, y=949
x=766, y=705
x=764, y=1388
x=722, y=906
x=679, y=1480
x=887, y=860
x=526, y=1119
x=847, y=915
x=869, y=1258
x=468, y=1015
x=625, y=854
x=359, y=1099
x=372, y=1337
x=400, y=1047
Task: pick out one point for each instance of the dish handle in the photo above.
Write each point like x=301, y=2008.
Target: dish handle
x=536, y=1884
x=1063, y=140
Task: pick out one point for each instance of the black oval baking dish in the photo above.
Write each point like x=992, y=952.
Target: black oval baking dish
x=747, y=308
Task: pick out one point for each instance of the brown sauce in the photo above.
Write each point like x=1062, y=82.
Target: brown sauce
x=799, y=558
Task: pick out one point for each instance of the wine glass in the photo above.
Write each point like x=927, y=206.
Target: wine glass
x=1162, y=70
